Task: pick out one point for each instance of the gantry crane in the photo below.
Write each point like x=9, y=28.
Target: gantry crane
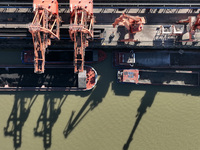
x=45, y=25
x=133, y=24
x=194, y=24
x=81, y=29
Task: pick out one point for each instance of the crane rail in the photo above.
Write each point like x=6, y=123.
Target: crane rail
x=109, y=5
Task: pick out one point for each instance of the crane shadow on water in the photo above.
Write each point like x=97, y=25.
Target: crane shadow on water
x=18, y=116
x=147, y=100
x=49, y=115
x=94, y=99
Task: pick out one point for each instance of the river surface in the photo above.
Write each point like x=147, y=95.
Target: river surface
x=110, y=117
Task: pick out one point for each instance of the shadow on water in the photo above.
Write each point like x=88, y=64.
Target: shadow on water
x=147, y=99
x=49, y=115
x=18, y=116
x=146, y=102
x=126, y=89
x=94, y=99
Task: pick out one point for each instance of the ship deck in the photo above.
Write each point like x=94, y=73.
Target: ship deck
x=24, y=78
x=59, y=56
x=169, y=78
x=168, y=59
x=158, y=77
x=159, y=59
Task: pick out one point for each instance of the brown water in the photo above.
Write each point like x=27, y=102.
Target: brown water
x=110, y=117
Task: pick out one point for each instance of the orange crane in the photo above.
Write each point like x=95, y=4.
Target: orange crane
x=45, y=25
x=81, y=29
x=133, y=24
x=194, y=23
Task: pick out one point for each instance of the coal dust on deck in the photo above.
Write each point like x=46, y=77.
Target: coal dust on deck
x=25, y=77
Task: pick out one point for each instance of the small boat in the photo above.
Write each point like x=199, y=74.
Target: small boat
x=155, y=77
x=63, y=56
x=157, y=59
x=22, y=78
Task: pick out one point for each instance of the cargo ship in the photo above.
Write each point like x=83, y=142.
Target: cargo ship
x=63, y=56
x=155, y=77
x=22, y=78
x=156, y=59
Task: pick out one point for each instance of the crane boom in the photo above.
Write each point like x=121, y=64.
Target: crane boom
x=81, y=29
x=45, y=25
x=133, y=24
x=194, y=24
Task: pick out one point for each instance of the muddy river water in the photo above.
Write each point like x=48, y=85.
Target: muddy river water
x=110, y=117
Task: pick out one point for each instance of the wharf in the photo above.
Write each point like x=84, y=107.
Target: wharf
x=110, y=37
